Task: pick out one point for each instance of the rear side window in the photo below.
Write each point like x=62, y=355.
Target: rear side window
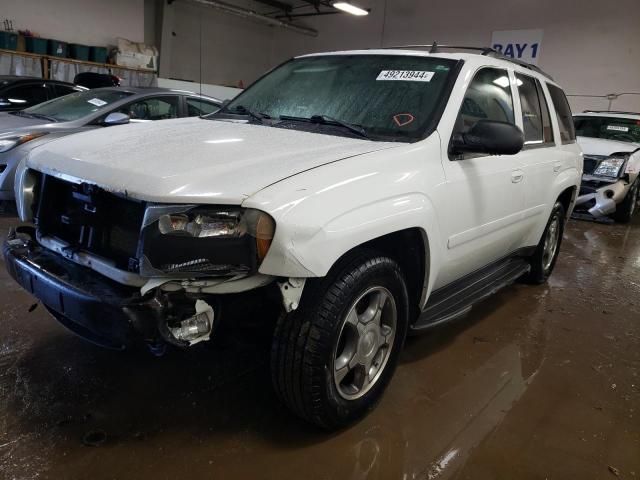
x=536, y=120
x=22, y=96
x=154, y=108
x=197, y=106
x=60, y=90
x=487, y=98
x=563, y=113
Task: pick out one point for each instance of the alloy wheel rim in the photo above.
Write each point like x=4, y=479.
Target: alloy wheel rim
x=551, y=242
x=365, y=343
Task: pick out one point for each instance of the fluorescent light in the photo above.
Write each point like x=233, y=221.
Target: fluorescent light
x=349, y=8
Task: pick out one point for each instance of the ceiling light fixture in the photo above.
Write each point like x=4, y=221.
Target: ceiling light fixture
x=349, y=8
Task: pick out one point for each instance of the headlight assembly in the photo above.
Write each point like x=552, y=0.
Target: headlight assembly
x=610, y=167
x=206, y=241
x=8, y=143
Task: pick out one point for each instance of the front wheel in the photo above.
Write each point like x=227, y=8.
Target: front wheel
x=628, y=207
x=545, y=256
x=333, y=357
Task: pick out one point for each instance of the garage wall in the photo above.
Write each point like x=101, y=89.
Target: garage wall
x=92, y=22
x=590, y=47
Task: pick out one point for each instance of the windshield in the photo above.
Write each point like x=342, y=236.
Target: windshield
x=388, y=97
x=76, y=105
x=609, y=128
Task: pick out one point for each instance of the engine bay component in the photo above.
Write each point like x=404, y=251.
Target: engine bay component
x=198, y=328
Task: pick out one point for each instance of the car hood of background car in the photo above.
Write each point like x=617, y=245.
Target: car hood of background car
x=193, y=160
x=601, y=146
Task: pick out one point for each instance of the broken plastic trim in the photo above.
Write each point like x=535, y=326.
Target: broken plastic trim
x=291, y=293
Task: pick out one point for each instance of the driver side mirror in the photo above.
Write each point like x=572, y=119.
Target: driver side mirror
x=115, y=118
x=489, y=137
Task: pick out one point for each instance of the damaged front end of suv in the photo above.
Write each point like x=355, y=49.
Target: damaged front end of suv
x=117, y=270
x=607, y=181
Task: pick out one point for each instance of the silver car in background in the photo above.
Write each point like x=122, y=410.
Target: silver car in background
x=102, y=107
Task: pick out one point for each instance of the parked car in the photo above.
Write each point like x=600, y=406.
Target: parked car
x=18, y=93
x=364, y=194
x=21, y=131
x=96, y=80
x=611, y=145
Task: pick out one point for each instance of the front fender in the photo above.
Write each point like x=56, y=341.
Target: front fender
x=323, y=213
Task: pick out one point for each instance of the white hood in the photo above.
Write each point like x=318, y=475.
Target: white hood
x=600, y=146
x=193, y=160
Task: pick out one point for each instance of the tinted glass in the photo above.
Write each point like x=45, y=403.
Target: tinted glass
x=60, y=90
x=26, y=95
x=563, y=114
x=609, y=128
x=549, y=137
x=535, y=114
x=196, y=107
x=77, y=105
x=487, y=98
x=393, y=97
x=153, y=108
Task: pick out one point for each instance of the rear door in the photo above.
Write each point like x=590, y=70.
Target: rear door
x=481, y=202
x=542, y=160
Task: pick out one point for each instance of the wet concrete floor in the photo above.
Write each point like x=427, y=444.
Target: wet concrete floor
x=537, y=382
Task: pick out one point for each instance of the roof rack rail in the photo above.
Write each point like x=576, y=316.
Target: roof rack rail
x=434, y=47
x=487, y=51
x=611, y=111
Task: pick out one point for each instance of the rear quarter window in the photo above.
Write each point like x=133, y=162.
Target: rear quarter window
x=563, y=114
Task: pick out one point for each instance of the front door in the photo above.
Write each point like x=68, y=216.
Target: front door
x=483, y=197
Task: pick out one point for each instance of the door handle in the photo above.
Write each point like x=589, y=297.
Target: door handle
x=517, y=176
x=557, y=166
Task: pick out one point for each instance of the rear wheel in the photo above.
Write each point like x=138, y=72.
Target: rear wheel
x=544, y=258
x=629, y=206
x=333, y=357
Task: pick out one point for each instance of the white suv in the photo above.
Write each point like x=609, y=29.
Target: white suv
x=611, y=180
x=369, y=193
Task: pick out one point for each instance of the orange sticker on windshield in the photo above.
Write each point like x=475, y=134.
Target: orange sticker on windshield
x=403, y=119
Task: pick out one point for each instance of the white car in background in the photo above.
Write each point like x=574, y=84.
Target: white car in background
x=611, y=145
x=361, y=194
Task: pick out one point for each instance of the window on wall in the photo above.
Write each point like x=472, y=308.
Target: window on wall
x=536, y=121
x=487, y=98
x=563, y=113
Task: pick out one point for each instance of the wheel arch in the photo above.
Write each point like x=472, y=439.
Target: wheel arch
x=410, y=249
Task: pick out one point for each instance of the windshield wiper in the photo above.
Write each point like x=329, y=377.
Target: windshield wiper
x=326, y=120
x=242, y=110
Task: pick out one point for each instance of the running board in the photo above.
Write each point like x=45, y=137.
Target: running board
x=457, y=299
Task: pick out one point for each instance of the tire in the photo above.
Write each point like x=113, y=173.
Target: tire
x=545, y=256
x=628, y=207
x=313, y=345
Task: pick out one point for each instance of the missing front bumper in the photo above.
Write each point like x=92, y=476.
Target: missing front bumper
x=104, y=312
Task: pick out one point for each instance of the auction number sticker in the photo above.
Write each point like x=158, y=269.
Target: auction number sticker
x=406, y=75
x=617, y=128
x=97, y=102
